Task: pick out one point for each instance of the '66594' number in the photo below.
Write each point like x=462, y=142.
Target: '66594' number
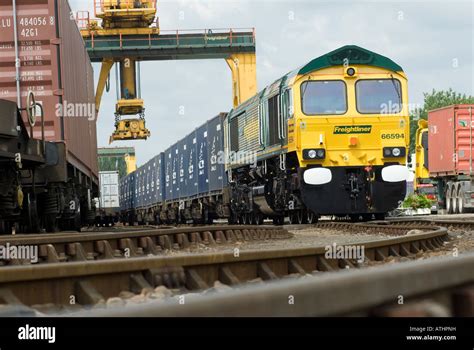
x=392, y=136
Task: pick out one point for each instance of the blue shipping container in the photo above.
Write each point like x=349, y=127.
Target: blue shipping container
x=148, y=180
x=192, y=171
x=159, y=178
x=175, y=171
x=202, y=159
x=138, y=187
x=168, y=174
x=182, y=168
x=215, y=146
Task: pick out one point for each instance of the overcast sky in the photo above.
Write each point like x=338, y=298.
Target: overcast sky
x=431, y=40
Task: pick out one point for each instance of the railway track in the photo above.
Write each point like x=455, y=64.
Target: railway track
x=452, y=224
x=153, y=240
x=77, y=247
x=95, y=282
x=442, y=287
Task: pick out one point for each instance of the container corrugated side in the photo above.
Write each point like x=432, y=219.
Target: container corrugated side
x=109, y=189
x=450, y=140
x=464, y=161
x=441, y=142
x=160, y=178
x=202, y=160
x=192, y=171
x=175, y=171
x=169, y=174
x=182, y=168
x=56, y=67
x=215, y=146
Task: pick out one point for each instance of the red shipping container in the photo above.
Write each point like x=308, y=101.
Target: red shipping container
x=450, y=140
x=56, y=67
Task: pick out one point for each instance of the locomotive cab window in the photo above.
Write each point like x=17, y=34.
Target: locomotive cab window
x=324, y=97
x=379, y=96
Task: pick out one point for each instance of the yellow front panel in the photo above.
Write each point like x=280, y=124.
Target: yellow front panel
x=351, y=139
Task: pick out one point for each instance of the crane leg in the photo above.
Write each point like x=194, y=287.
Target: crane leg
x=107, y=65
x=244, y=76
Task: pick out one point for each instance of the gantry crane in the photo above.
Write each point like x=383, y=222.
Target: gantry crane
x=123, y=17
x=128, y=33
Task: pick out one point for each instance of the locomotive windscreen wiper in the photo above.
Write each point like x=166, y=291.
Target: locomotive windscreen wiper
x=392, y=79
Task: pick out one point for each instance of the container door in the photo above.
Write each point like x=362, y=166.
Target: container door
x=215, y=144
x=192, y=171
x=202, y=160
x=175, y=171
x=160, y=178
x=169, y=174
x=183, y=161
x=464, y=140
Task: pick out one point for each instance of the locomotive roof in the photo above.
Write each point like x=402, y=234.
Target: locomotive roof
x=355, y=55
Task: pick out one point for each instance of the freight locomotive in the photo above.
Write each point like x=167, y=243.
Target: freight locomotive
x=329, y=138
x=48, y=163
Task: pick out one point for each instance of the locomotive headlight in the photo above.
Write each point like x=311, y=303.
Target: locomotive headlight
x=350, y=72
x=313, y=154
x=394, y=152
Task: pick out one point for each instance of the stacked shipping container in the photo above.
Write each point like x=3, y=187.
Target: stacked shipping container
x=109, y=189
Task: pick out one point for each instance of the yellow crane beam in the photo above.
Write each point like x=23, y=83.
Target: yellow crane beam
x=126, y=20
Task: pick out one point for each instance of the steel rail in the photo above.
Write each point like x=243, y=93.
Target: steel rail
x=374, y=291
x=449, y=223
x=66, y=247
x=91, y=282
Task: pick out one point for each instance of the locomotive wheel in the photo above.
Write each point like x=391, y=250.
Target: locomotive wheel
x=301, y=217
x=292, y=217
x=233, y=219
x=76, y=222
x=33, y=224
x=278, y=220
x=311, y=217
x=259, y=219
x=253, y=218
x=248, y=219
x=6, y=227
x=51, y=223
